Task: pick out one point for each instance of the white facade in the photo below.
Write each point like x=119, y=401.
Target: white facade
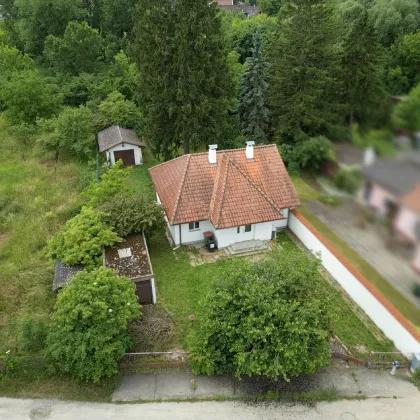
x=380, y=315
x=138, y=157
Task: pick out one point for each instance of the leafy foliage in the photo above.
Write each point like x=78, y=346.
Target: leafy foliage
x=132, y=214
x=253, y=110
x=88, y=330
x=407, y=113
x=24, y=134
x=82, y=239
x=79, y=50
x=349, y=180
x=308, y=154
x=32, y=334
x=270, y=318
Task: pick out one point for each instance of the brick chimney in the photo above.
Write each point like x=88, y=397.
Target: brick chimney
x=249, y=151
x=213, y=154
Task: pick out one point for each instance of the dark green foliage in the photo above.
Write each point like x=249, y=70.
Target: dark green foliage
x=118, y=17
x=253, y=111
x=416, y=291
x=32, y=333
x=308, y=154
x=272, y=318
x=271, y=7
x=136, y=213
x=185, y=81
x=362, y=72
x=82, y=239
x=304, y=91
x=349, y=180
x=88, y=330
x=79, y=50
x=407, y=113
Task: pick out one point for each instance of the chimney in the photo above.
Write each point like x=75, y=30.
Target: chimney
x=213, y=154
x=250, y=150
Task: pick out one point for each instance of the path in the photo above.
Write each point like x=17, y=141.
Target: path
x=346, y=381
x=369, y=244
x=372, y=409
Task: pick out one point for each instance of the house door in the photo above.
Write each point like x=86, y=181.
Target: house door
x=144, y=292
x=127, y=156
x=245, y=233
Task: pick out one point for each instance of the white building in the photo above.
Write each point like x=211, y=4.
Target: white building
x=121, y=143
x=239, y=195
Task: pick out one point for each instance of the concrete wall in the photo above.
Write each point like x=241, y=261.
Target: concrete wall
x=406, y=222
x=378, y=313
x=138, y=157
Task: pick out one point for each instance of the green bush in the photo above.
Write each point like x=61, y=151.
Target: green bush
x=330, y=200
x=89, y=327
x=32, y=333
x=272, y=318
x=307, y=154
x=348, y=180
x=416, y=289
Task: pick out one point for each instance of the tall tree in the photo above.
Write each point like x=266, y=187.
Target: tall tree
x=362, y=68
x=185, y=78
x=253, y=111
x=304, y=91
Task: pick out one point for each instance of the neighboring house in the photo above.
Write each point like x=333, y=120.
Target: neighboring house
x=130, y=258
x=64, y=274
x=247, y=10
x=239, y=195
x=393, y=189
x=121, y=143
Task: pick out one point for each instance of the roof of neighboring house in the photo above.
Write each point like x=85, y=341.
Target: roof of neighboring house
x=115, y=135
x=348, y=154
x=64, y=274
x=412, y=199
x=397, y=176
x=130, y=258
x=235, y=191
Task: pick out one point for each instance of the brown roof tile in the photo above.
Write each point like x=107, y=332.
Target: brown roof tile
x=233, y=192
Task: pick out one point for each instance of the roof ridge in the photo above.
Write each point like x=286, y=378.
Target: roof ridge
x=262, y=146
x=257, y=187
x=119, y=132
x=178, y=198
x=224, y=155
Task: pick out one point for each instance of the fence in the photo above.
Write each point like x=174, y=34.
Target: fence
x=372, y=302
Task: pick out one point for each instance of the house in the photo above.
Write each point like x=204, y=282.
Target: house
x=130, y=258
x=121, y=143
x=239, y=195
x=246, y=9
x=392, y=189
x=64, y=274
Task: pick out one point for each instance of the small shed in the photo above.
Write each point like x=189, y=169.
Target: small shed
x=131, y=259
x=64, y=274
x=121, y=143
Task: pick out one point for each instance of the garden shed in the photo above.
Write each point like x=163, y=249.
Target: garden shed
x=121, y=143
x=64, y=274
x=130, y=258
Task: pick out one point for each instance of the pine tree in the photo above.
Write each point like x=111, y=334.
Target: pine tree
x=253, y=111
x=362, y=68
x=304, y=91
x=185, y=79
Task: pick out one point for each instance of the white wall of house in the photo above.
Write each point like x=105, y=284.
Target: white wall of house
x=406, y=223
x=196, y=235
x=138, y=157
x=402, y=339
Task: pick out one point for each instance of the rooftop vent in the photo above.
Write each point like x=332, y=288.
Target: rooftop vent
x=213, y=154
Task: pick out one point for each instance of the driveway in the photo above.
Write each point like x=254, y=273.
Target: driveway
x=371, y=409
x=368, y=243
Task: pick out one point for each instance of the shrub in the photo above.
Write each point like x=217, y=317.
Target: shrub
x=307, y=154
x=82, y=239
x=272, y=318
x=416, y=289
x=32, y=333
x=89, y=327
x=330, y=200
x=132, y=214
x=348, y=180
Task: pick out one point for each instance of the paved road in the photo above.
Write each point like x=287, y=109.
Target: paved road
x=372, y=409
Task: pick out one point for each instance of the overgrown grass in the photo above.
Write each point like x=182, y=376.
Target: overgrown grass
x=352, y=328
x=393, y=295
x=304, y=190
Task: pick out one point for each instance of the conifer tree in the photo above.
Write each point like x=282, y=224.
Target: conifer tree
x=185, y=79
x=304, y=91
x=253, y=111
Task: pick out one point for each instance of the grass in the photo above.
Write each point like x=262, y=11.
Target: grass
x=304, y=190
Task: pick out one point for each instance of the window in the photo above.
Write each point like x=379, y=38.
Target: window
x=238, y=230
x=194, y=226
x=248, y=228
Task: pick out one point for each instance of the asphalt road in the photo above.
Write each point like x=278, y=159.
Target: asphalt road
x=381, y=408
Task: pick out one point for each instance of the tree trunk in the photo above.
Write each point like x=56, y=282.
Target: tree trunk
x=186, y=146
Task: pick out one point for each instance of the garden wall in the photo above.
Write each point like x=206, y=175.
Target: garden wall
x=394, y=325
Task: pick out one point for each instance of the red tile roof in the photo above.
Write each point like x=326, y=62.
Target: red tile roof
x=233, y=192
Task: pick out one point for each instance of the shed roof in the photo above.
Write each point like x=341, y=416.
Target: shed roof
x=235, y=191
x=64, y=274
x=116, y=135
